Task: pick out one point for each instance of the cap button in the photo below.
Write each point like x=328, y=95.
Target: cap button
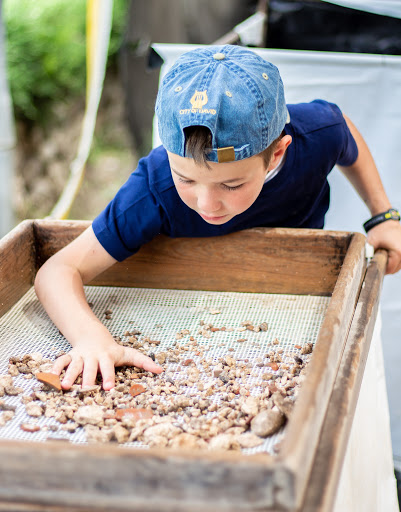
x=219, y=56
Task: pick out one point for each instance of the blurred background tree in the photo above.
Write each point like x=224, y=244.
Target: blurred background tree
x=46, y=51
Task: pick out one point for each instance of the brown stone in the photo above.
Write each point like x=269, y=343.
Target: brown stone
x=136, y=389
x=273, y=366
x=50, y=379
x=267, y=422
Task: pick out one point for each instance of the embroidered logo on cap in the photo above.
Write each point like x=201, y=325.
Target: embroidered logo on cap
x=198, y=100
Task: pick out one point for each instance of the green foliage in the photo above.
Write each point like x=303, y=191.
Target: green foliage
x=46, y=51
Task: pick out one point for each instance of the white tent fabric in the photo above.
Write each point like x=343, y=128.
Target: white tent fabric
x=368, y=89
x=371, y=489
x=384, y=7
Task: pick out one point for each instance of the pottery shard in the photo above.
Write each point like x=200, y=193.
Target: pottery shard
x=267, y=422
x=250, y=406
x=284, y=404
x=29, y=427
x=132, y=413
x=249, y=440
x=89, y=415
x=136, y=389
x=50, y=379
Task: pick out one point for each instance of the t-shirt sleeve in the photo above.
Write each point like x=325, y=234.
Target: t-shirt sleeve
x=347, y=145
x=132, y=218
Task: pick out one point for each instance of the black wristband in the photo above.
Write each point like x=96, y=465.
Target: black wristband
x=391, y=214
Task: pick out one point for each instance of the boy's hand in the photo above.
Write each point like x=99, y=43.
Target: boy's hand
x=387, y=235
x=90, y=357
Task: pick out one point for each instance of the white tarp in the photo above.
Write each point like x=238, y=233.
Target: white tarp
x=368, y=89
x=384, y=7
x=366, y=484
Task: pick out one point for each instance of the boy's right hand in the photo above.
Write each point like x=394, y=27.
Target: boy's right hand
x=94, y=348
x=91, y=357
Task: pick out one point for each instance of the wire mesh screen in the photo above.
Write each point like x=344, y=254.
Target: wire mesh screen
x=161, y=314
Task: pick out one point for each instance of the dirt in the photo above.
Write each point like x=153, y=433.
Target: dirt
x=44, y=155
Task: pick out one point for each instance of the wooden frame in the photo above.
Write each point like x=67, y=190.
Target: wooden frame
x=306, y=471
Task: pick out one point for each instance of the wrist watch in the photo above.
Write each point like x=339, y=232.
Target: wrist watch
x=391, y=214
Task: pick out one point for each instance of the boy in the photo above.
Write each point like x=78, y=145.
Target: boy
x=234, y=156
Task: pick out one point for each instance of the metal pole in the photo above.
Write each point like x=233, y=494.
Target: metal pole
x=7, y=143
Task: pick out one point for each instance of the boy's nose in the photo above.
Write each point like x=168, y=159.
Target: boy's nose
x=208, y=201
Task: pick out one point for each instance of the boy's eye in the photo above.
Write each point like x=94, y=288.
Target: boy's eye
x=181, y=180
x=232, y=188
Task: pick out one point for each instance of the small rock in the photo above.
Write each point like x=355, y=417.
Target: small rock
x=284, y=404
x=12, y=390
x=34, y=410
x=250, y=406
x=187, y=441
x=6, y=380
x=120, y=434
x=267, y=422
x=5, y=417
x=249, y=440
x=97, y=435
x=7, y=407
x=224, y=442
x=307, y=348
x=89, y=414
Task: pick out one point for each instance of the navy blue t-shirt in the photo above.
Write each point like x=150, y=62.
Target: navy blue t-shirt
x=297, y=197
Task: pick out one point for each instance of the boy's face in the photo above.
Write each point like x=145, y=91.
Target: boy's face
x=221, y=192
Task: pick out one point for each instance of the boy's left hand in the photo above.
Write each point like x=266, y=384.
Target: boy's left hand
x=387, y=235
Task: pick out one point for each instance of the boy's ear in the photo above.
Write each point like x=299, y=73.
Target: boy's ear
x=278, y=153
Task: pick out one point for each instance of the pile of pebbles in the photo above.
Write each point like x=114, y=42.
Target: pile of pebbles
x=198, y=402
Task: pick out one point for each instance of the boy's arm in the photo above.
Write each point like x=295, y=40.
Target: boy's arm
x=365, y=178
x=59, y=287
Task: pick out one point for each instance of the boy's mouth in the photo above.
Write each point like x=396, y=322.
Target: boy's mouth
x=212, y=218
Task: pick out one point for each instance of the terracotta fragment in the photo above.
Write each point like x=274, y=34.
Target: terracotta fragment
x=187, y=362
x=50, y=379
x=29, y=427
x=136, y=389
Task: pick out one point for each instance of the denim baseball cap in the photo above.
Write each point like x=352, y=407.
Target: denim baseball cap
x=232, y=91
